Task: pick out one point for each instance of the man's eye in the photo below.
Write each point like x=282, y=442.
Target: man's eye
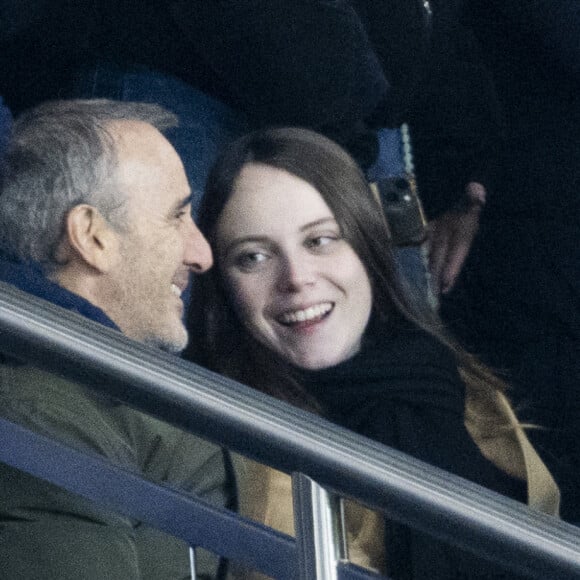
x=183, y=212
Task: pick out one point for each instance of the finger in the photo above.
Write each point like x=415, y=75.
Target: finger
x=476, y=193
x=455, y=259
x=438, y=248
x=459, y=248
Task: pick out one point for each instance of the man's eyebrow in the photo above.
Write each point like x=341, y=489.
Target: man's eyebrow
x=183, y=203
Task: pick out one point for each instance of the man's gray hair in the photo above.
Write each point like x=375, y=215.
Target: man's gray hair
x=62, y=154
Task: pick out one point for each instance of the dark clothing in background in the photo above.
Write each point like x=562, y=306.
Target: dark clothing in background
x=45, y=43
x=517, y=304
x=345, y=68
x=403, y=390
x=532, y=49
x=42, y=43
x=5, y=126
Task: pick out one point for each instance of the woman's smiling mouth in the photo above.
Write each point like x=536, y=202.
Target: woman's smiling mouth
x=311, y=314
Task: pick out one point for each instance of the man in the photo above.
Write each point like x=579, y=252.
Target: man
x=95, y=216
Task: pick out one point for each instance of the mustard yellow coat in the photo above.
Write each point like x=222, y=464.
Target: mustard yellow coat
x=265, y=494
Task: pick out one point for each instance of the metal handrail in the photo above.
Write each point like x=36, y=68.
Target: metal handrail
x=272, y=432
x=318, y=537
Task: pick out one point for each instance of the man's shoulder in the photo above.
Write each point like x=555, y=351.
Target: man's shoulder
x=21, y=383
x=53, y=406
x=62, y=409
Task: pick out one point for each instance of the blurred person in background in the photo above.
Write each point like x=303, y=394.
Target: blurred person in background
x=517, y=304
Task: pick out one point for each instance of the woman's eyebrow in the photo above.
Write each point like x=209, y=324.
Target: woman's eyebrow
x=318, y=222
x=243, y=240
x=265, y=239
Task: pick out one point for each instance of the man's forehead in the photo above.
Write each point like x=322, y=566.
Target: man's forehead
x=138, y=143
x=130, y=134
x=147, y=165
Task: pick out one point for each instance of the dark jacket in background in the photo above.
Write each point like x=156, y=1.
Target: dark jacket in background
x=342, y=67
x=532, y=50
x=346, y=68
x=5, y=126
x=517, y=303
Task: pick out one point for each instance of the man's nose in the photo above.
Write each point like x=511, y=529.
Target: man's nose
x=295, y=273
x=198, y=254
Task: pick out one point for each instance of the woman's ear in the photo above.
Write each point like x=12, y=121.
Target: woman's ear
x=91, y=238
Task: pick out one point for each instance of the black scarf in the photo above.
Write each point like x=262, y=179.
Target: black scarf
x=404, y=365
x=403, y=389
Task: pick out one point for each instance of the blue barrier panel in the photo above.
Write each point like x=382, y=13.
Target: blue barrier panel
x=180, y=514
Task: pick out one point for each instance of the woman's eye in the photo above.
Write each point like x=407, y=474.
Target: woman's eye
x=250, y=260
x=321, y=241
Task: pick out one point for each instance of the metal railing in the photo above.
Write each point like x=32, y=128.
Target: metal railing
x=424, y=497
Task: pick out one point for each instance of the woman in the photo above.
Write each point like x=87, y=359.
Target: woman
x=305, y=305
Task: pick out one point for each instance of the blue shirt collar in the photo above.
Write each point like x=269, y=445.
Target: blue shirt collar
x=30, y=278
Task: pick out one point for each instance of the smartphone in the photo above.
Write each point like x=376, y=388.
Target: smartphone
x=403, y=210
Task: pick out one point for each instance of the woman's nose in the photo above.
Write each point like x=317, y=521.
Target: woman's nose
x=295, y=273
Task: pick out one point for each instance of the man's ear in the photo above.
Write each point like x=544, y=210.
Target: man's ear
x=91, y=238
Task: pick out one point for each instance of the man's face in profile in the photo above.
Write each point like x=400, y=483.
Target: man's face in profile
x=161, y=244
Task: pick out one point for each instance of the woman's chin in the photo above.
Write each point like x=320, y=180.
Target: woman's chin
x=313, y=362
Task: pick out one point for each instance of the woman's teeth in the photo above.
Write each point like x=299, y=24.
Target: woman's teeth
x=307, y=314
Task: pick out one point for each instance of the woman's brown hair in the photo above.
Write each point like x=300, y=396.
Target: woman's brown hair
x=220, y=341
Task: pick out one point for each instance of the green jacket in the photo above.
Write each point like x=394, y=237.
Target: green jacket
x=46, y=532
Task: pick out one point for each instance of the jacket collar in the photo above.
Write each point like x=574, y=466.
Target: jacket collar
x=28, y=276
